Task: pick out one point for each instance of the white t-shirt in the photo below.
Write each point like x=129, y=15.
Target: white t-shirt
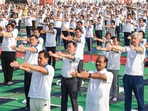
x=28, y=21
x=51, y=39
x=98, y=26
x=80, y=48
x=66, y=24
x=114, y=60
x=57, y=23
x=40, y=86
x=128, y=27
x=141, y=28
x=32, y=57
x=40, y=20
x=98, y=92
x=11, y=41
x=41, y=42
x=135, y=62
x=72, y=24
x=69, y=66
x=89, y=31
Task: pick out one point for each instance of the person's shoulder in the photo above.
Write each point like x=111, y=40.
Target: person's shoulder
x=49, y=68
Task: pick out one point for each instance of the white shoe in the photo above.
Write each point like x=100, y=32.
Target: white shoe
x=24, y=101
x=115, y=99
x=82, y=83
x=58, y=82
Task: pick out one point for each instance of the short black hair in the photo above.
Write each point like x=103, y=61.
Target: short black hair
x=80, y=22
x=79, y=30
x=46, y=54
x=73, y=42
x=12, y=25
x=13, y=22
x=114, y=37
x=33, y=36
x=142, y=33
x=37, y=30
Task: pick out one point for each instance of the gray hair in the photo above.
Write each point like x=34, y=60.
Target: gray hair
x=137, y=34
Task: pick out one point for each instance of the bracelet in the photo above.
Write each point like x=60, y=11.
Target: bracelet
x=89, y=76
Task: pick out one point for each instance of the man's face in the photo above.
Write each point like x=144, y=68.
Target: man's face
x=36, y=32
x=33, y=41
x=115, y=41
x=78, y=33
x=51, y=26
x=79, y=25
x=71, y=48
x=9, y=28
x=100, y=63
x=42, y=61
x=135, y=41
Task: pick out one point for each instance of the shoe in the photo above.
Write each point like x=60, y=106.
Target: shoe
x=115, y=99
x=82, y=84
x=58, y=82
x=9, y=83
x=24, y=101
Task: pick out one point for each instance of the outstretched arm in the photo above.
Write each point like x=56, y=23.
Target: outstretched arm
x=28, y=67
x=87, y=75
x=60, y=54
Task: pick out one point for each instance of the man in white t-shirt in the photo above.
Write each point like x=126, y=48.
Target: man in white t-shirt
x=134, y=72
x=68, y=83
x=41, y=82
x=31, y=58
x=50, y=43
x=99, y=85
x=8, y=54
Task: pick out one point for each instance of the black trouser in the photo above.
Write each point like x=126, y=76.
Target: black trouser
x=19, y=25
x=98, y=35
x=118, y=31
x=126, y=40
x=65, y=33
x=80, y=69
x=33, y=25
x=6, y=59
x=69, y=87
x=28, y=30
x=52, y=60
x=89, y=44
x=27, y=81
x=72, y=33
x=58, y=35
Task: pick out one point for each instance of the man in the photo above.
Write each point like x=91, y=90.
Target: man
x=134, y=72
x=41, y=82
x=80, y=40
x=8, y=55
x=127, y=28
x=50, y=43
x=31, y=58
x=68, y=83
x=113, y=66
x=99, y=85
